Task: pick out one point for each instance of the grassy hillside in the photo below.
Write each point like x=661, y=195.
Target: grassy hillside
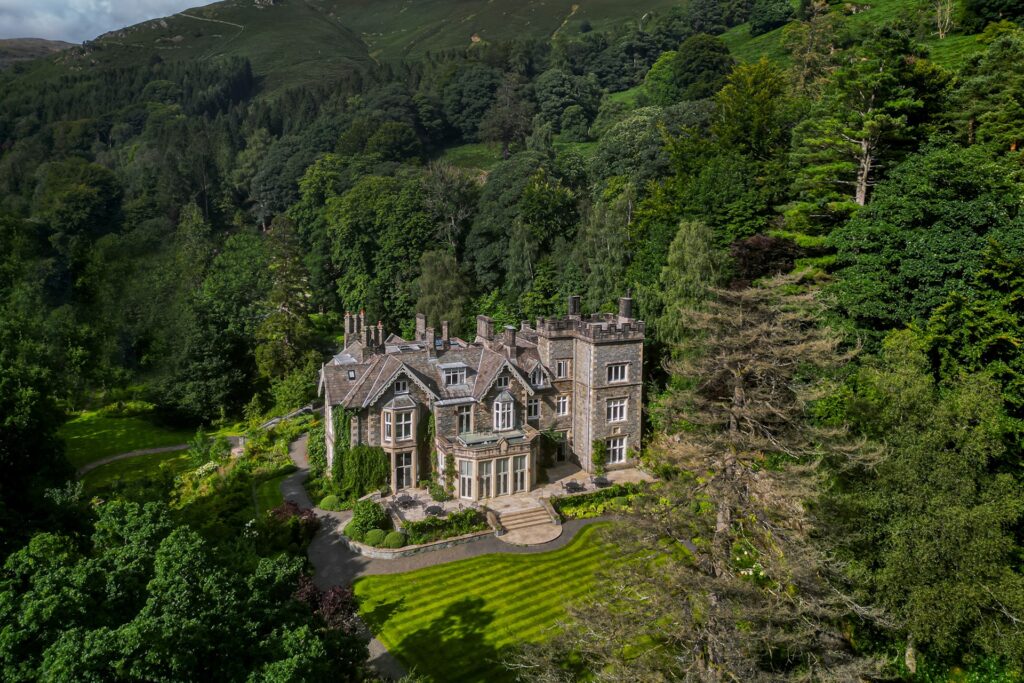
x=20, y=49
x=951, y=51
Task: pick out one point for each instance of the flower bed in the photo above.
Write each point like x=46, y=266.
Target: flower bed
x=617, y=498
x=437, y=528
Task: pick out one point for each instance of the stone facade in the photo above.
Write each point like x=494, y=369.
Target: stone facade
x=571, y=380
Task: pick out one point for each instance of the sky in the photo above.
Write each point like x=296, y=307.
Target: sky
x=78, y=20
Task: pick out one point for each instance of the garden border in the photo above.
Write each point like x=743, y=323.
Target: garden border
x=408, y=550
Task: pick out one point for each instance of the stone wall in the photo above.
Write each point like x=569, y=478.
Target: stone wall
x=407, y=551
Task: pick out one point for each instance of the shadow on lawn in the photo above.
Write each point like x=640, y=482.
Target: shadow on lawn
x=453, y=647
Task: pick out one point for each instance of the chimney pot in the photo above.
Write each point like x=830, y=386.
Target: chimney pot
x=510, y=337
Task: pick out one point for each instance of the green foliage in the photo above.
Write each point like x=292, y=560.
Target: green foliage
x=926, y=523
x=767, y=15
x=330, y=503
x=367, y=515
x=599, y=456
x=394, y=540
x=449, y=473
x=923, y=235
x=695, y=266
x=142, y=599
x=695, y=71
x=375, y=537
x=615, y=498
x=432, y=529
x=360, y=470
x=353, y=531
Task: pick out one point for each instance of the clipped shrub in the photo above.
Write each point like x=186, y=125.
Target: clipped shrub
x=353, y=531
x=375, y=537
x=436, y=528
x=395, y=539
x=331, y=502
x=368, y=514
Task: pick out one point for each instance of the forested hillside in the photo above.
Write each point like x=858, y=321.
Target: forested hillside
x=817, y=208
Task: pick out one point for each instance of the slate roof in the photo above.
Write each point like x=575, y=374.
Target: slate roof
x=372, y=374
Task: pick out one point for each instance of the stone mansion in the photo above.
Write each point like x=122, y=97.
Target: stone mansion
x=574, y=378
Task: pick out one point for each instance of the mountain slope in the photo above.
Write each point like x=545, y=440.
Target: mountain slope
x=20, y=49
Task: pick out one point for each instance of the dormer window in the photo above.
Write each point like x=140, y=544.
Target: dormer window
x=401, y=386
x=454, y=376
x=504, y=413
x=537, y=377
x=502, y=382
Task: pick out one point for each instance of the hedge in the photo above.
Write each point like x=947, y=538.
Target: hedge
x=618, y=497
x=437, y=528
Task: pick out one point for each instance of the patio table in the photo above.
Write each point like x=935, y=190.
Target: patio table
x=434, y=511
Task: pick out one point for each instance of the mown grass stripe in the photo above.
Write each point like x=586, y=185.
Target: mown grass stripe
x=455, y=621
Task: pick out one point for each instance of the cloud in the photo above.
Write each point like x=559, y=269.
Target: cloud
x=78, y=20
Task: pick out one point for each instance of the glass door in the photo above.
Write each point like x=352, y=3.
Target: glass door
x=403, y=471
x=465, y=479
x=502, y=476
x=519, y=473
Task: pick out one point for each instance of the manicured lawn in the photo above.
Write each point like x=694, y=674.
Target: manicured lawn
x=454, y=622
x=268, y=494
x=140, y=469
x=91, y=436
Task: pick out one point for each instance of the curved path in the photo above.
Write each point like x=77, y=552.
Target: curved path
x=88, y=467
x=336, y=565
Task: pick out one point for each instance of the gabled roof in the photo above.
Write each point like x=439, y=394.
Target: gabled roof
x=491, y=365
x=391, y=369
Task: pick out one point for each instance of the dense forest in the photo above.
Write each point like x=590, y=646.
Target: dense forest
x=827, y=247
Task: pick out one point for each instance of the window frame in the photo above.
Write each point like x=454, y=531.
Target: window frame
x=467, y=412
x=401, y=386
x=620, y=447
x=616, y=410
x=403, y=422
x=454, y=376
x=613, y=369
x=562, y=368
x=562, y=407
x=388, y=422
x=503, y=381
x=503, y=416
x=533, y=409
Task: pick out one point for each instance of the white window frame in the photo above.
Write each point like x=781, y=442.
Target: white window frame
x=401, y=386
x=453, y=376
x=464, y=412
x=504, y=416
x=616, y=450
x=465, y=479
x=501, y=476
x=403, y=426
x=519, y=482
x=617, y=409
x=562, y=406
x=533, y=409
x=561, y=369
x=403, y=472
x=537, y=377
x=484, y=479
x=618, y=372
x=387, y=426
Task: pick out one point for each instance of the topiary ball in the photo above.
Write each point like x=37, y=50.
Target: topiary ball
x=395, y=539
x=375, y=537
x=353, y=531
x=330, y=502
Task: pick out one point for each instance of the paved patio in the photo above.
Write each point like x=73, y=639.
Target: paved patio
x=558, y=476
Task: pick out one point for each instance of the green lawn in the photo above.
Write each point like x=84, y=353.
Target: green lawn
x=267, y=494
x=91, y=436
x=134, y=470
x=483, y=156
x=454, y=622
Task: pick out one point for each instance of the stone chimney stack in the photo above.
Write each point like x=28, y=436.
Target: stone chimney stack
x=431, y=340
x=380, y=333
x=361, y=322
x=349, y=328
x=625, y=309
x=574, y=306
x=484, y=327
x=421, y=326
x=445, y=338
x=508, y=338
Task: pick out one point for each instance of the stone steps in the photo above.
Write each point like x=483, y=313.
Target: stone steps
x=523, y=519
